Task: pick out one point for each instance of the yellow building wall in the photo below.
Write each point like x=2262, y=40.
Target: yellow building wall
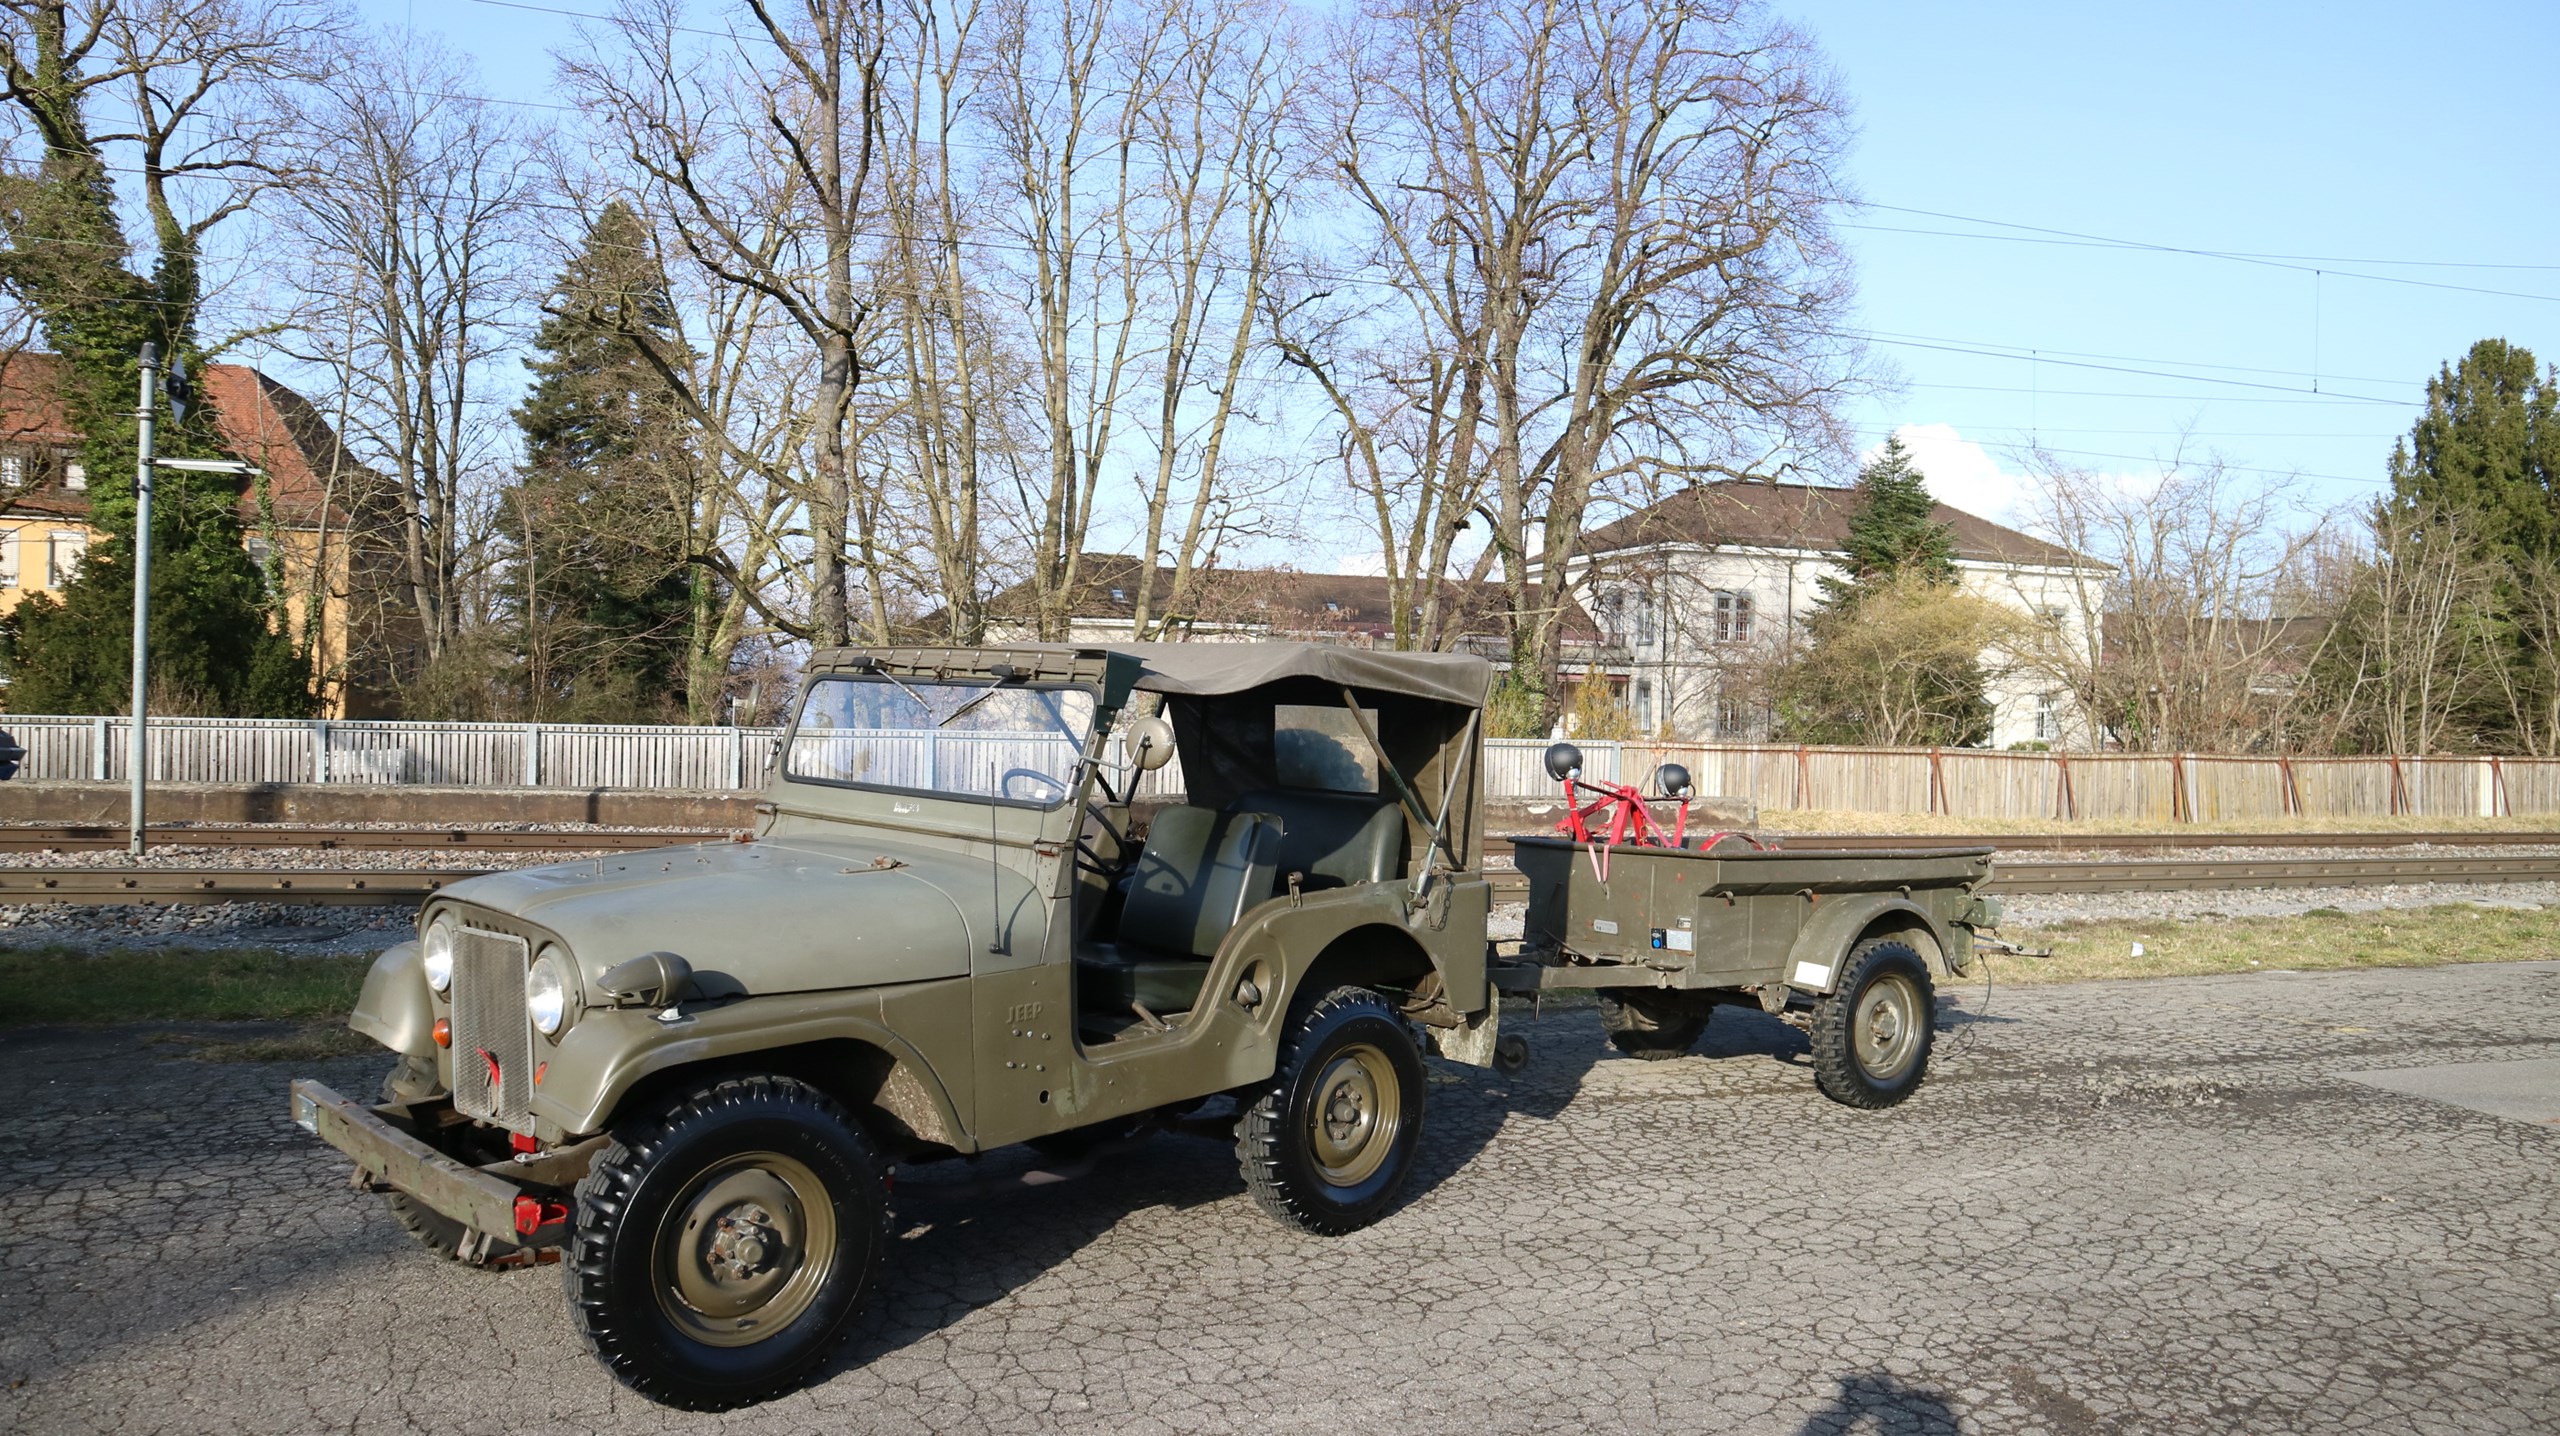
x=27, y=561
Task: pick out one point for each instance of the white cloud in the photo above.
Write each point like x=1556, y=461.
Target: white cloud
x=1961, y=473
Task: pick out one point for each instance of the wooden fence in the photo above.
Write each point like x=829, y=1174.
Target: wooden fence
x=2148, y=787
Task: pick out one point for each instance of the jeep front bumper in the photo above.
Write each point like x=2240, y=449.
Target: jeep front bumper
x=388, y=1158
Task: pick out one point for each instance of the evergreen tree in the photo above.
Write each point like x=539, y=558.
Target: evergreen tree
x=1893, y=530
x=217, y=639
x=2487, y=452
x=603, y=593
x=2478, y=479
x=1900, y=590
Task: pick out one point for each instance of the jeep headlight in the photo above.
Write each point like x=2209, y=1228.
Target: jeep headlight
x=546, y=992
x=435, y=954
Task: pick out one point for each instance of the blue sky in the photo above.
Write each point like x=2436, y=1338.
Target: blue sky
x=2361, y=137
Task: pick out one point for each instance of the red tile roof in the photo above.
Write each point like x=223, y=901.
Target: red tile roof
x=308, y=470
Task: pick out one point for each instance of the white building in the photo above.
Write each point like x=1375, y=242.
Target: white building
x=1704, y=590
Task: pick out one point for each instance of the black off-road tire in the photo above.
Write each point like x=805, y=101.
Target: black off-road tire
x=1650, y=1027
x=650, y=1211
x=1350, y=1072
x=1872, y=1034
x=432, y=1229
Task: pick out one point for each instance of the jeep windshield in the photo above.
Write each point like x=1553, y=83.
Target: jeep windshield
x=966, y=738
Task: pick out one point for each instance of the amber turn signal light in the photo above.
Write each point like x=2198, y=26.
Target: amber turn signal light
x=443, y=1031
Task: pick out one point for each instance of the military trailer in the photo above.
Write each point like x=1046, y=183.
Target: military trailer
x=686, y=1075
x=1841, y=945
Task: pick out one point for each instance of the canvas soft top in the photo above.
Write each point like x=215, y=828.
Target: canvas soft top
x=1200, y=670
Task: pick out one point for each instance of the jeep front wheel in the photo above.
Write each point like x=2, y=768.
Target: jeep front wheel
x=1329, y=1144
x=723, y=1246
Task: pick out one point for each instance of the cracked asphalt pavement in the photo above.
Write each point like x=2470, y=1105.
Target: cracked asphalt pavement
x=2115, y=1208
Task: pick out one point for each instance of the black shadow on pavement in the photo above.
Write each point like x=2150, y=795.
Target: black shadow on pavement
x=1878, y=1401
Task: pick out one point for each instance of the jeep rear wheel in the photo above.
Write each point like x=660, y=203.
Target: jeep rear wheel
x=1329, y=1144
x=1650, y=1026
x=1871, y=1035
x=723, y=1247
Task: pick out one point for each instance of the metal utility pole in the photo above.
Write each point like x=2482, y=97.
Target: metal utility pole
x=144, y=416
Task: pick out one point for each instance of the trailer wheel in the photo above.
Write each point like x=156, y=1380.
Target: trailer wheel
x=1871, y=1036
x=724, y=1245
x=1648, y=1026
x=1326, y=1147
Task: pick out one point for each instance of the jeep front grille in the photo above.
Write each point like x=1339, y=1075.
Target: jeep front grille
x=492, y=1041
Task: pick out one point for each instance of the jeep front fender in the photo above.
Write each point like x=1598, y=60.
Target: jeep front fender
x=395, y=1008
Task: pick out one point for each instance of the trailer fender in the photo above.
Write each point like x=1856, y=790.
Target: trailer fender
x=1840, y=923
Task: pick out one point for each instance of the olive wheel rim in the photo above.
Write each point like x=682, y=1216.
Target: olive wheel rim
x=744, y=1250
x=1356, y=1115
x=1886, y=1029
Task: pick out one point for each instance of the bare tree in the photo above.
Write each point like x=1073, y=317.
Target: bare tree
x=2417, y=662
x=761, y=158
x=1066, y=123
x=413, y=217
x=1222, y=93
x=1615, y=215
x=2183, y=640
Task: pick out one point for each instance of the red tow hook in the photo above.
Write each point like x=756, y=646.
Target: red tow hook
x=533, y=1214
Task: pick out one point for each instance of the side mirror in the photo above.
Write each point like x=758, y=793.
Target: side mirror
x=653, y=979
x=1150, y=742
x=1672, y=780
x=1563, y=761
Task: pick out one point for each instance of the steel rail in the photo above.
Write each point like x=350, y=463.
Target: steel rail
x=78, y=837
x=82, y=836
x=387, y=886
x=2146, y=842
x=332, y=886
x=2210, y=874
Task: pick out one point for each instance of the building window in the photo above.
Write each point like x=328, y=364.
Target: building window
x=1119, y=595
x=13, y=469
x=1733, y=716
x=2048, y=717
x=75, y=474
x=263, y=554
x=9, y=558
x=1732, y=617
x=1644, y=704
x=63, y=556
x=2052, y=615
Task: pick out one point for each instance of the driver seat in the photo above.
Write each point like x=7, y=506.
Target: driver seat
x=1197, y=875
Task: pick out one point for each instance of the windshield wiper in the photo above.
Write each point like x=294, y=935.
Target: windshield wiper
x=982, y=697
x=903, y=688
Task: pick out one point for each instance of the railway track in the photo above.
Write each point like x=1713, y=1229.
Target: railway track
x=379, y=886
x=86, y=837
x=102, y=837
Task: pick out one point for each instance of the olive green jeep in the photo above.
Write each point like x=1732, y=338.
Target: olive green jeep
x=685, y=1075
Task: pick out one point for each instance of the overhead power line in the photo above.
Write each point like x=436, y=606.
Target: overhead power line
x=2299, y=266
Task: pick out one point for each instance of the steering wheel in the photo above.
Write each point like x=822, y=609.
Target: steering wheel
x=1045, y=789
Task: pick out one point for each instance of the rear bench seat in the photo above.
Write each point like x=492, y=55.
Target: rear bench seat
x=1335, y=839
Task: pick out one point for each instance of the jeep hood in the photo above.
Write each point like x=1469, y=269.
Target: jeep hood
x=790, y=915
